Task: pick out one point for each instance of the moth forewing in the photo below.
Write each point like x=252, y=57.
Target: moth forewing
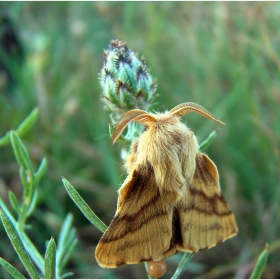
x=140, y=230
x=205, y=217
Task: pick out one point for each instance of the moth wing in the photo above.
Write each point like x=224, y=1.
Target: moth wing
x=142, y=227
x=205, y=217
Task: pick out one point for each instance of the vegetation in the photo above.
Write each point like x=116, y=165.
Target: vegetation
x=223, y=56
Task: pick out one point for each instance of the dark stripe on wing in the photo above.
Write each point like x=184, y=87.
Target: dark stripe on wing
x=125, y=222
x=207, y=204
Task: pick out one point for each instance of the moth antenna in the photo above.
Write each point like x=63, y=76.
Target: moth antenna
x=136, y=115
x=184, y=108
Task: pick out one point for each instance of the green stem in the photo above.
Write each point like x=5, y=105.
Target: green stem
x=182, y=265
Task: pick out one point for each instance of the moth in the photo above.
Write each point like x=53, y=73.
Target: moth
x=171, y=199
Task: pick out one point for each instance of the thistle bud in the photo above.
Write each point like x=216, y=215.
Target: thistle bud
x=125, y=80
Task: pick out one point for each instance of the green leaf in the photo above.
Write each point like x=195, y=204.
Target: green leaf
x=18, y=245
x=65, y=275
x=14, y=201
x=25, y=126
x=41, y=171
x=32, y=204
x=62, y=240
x=6, y=210
x=27, y=185
x=32, y=251
x=50, y=260
x=5, y=139
x=260, y=264
x=206, y=143
x=29, y=246
x=21, y=152
x=82, y=205
x=64, y=232
x=182, y=265
x=10, y=269
x=68, y=253
x=71, y=237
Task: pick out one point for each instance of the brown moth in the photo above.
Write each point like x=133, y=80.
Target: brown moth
x=171, y=199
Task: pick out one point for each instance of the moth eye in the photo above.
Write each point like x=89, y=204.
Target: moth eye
x=145, y=128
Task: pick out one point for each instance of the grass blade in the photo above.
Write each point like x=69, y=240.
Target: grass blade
x=260, y=264
x=50, y=260
x=18, y=245
x=182, y=265
x=11, y=270
x=208, y=141
x=82, y=205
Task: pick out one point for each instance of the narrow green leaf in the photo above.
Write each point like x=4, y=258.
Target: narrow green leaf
x=32, y=204
x=5, y=140
x=10, y=269
x=21, y=152
x=28, y=245
x=182, y=265
x=41, y=171
x=26, y=183
x=260, y=264
x=68, y=254
x=6, y=210
x=14, y=201
x=18, y=245
x=63, y=237
x=50, y=260
x=65, y=275
x=32, y=251
x=206, y=143
x=25, y=126
x=65, y=229
x=71, y=237
x=82, y=205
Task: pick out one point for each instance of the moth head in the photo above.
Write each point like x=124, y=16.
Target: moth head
x=173, y=116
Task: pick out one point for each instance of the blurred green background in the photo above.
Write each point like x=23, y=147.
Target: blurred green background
x=224, y=56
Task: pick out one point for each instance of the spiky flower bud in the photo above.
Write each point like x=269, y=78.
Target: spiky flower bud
x=125, y=80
